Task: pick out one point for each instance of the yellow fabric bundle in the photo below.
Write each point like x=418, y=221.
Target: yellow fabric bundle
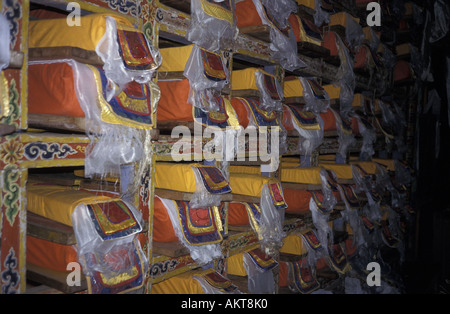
x=248, y=184
x=58, y=202
x=178, y=177
x=307, y=3
x=343, y=171
x=235, y=264
x=180, y=284
x=333, y=91
x=245, y=169
x=293, y=88
x=368, y=166
x=57, y=33
x=174, y=59
x=245, y=79
x=306, y=175
x=388, y=163
x=340, y=18
x=293, y=244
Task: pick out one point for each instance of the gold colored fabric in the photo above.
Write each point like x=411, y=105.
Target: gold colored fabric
x=4, y=96
x=293, y=88
x=235, y=264
x=245, y=169
x=388, y=163
x=244, y=79
x=248, y=184
x=58, y=202
x=306, y=175
x=343, y=171
x=178, y=177
x=174, y=58
x=307, y=3
x=368, y=166
x=57, y=33
x=340, y=18
x=333, y=91
x=217, y=11
x=293, y=244
x=180, y=284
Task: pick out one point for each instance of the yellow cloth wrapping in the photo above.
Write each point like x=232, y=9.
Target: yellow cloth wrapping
x=333, y=91
x=245, y=169
x=307, y=3
x=58, y=202
x=340, y=18
x=178, y=177
x=368, y=166
x=306, y=175
x=248, y=184
x=343, y=171
x=388, y=163
x=235, y=264
x=180, y=284
x=244, y=79
x=293, y=88
x=293, y=244
x=57, y=33
x=174, y=59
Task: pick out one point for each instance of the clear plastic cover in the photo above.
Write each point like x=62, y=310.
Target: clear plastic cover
x=202, y=198
x=271, y=224
x=329, y=200
x=260, y=281
x=345, y=138
x=5, y=44
x=316, y=104
x=280, y=10
x=324, y=231
x=212, y=27
x=369, y=137
x=440, y=25
x=354, y=34
x=203, y=90
x=90, y=243
x=320, y=16
x=116, y=72
x=267, y=102
x=201, y=254
x=283, y=43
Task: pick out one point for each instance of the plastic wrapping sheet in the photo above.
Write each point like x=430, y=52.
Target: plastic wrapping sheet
x=321, y=16
x=201, y=254
x=4, y=44
x=111, y=145
x=271, y=224
x=441, y=22
x=351, y=216
x=213, y=24
x=345, y=135
x=283, y=43
x=280, y=10
x=207, y=76
x=314, y=248
x=260, y=280
x=202, y=197
x=311, y=136
x=324, y=231
x=106, y=250
x=387, y=57
x=316, y=97
x=345, y=77
x=369, y=137
x=271, y=91
x=365, y=184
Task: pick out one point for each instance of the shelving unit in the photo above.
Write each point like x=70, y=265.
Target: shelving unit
x=28, y=153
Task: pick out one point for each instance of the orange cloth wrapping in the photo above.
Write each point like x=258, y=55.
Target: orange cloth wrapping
x=329, y=42
x=246, y=14
x=173, y=102
x=241, y=111
x=162, y=225
x=56, y=97
x=50, y=255
x=329, y=120
x=361, y=57
x=237, y=214
x=297, y=200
